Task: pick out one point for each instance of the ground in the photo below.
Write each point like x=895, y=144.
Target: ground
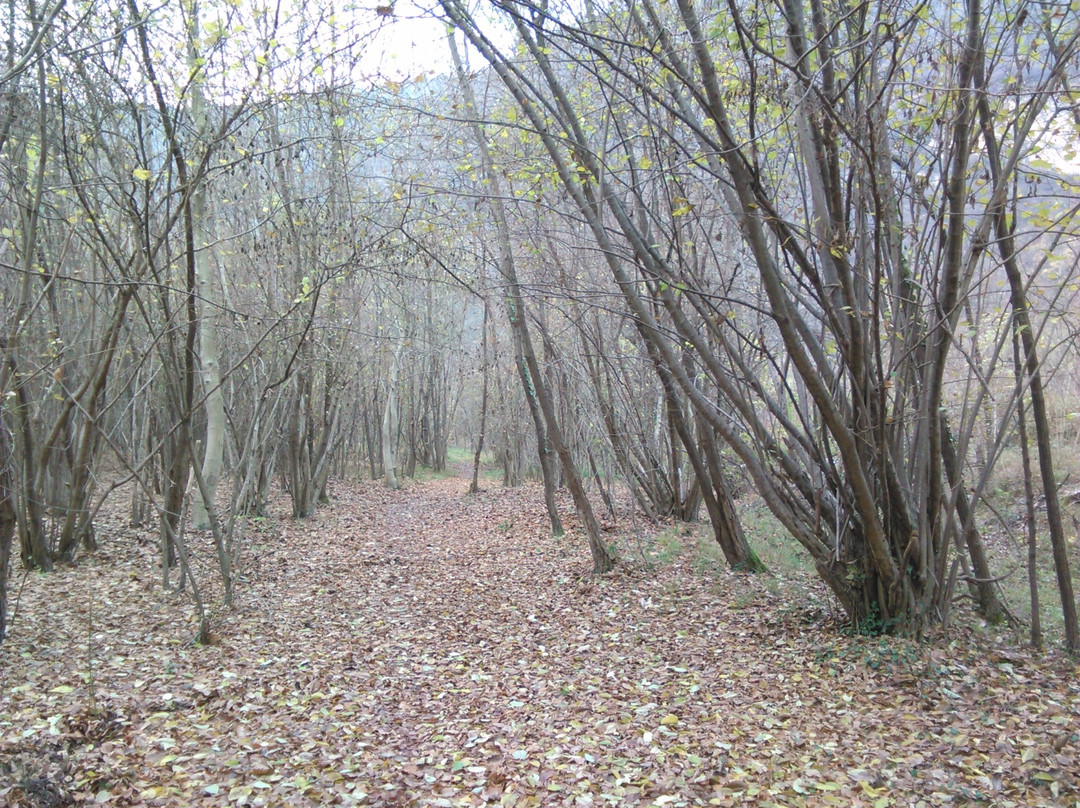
x=425, y=647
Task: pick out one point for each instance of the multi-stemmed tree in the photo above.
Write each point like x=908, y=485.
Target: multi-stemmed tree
x=795, y=202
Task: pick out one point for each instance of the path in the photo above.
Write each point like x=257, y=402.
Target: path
x=427, y=648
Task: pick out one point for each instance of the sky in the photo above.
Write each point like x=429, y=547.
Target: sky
x=409, y=42
x=413, y=41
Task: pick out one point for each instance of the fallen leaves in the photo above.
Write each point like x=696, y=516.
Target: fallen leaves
x=421, y=648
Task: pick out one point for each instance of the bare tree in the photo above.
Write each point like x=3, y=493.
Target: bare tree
x=829, y=356
x=531, y=377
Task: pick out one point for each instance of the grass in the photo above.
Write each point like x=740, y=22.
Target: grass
x=664, y=547
x=776, y=548
x=492, y=474
x=788, y=564
x=424, y=474
x=789, y=588
x=458, y=456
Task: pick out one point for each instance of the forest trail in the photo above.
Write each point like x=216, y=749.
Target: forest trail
x=424, y=647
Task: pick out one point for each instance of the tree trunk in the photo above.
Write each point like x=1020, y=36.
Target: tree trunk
x=390, y=422
x=474, y=487
x=7, y=522
x=182, y=386
x=989, y=605
x=76, y=524
x=369, y=441
x=209, y=352
x=30, y=179
x=33, y=547
x=602, y=558
x=727, y=529
x=1029, y=500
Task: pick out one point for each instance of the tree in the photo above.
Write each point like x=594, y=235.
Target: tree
x=209, y=353
x=536, y=390
x=841, y=426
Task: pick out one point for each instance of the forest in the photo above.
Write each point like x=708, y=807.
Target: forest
x=647, y=402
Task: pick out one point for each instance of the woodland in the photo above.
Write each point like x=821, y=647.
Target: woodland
x=651, y=402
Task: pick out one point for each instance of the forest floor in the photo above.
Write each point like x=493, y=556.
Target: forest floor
x=424, y=647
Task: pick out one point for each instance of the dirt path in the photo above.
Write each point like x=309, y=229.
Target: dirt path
x=428, y=648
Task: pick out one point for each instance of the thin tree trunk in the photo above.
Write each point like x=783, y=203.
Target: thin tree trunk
x=75, y=525
x=184, y=393
x=32, y=544
x=604, y=495
x=216, y=527
x=727, y=529
x=989, y=605
x=209, y=352
x=474, y=488
x=639, y=487
x=390, y=422
x=8, y=522
x=369, y=442
x=602, y=558
x=529, y=385
x=1029, y=500
x=30, y=511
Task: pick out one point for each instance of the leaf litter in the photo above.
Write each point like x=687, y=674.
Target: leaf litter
x=424, y=647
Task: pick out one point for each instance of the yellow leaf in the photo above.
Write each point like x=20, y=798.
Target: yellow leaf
x=669, y=720
x=141, y=174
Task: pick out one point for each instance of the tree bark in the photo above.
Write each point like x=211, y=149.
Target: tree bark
x=989, y=605
x=1029, y=500
x=209, y=352
x=474, y=487
x=390, y=422
x=8, y=522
